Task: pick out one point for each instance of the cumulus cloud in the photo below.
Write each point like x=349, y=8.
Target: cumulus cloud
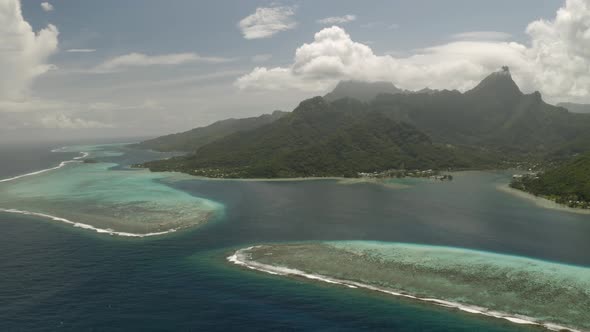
x=267, y=21
x=46, y=6
x=561, y=50
x=556, y=62
x=23, y=52
x=143, y=60
x=334, y=56
x=337, y=19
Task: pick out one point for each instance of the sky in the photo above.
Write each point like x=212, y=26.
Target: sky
x=147, y=67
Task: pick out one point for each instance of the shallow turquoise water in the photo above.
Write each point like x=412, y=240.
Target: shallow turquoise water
x=55, y=276
x=95, y=194
x=503, y=286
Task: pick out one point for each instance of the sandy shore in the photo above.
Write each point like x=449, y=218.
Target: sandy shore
x=339, y=180
x=540, y=201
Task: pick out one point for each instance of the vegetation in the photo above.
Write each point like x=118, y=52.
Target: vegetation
x=191, y=140
x=494, y=125
x=568, y=184
x=495, y=115
x=576, y=108
x=363, y=91
x=318, y=139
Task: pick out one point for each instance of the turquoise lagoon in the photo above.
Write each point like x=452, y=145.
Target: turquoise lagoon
x=59, y=278
x=521, y=290
x=100, y=197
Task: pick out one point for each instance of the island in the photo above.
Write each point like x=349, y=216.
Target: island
x=521, y=290
x=567, y=184
x=375, y=128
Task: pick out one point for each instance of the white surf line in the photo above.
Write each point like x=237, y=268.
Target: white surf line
x=84, y=155
x=240, y=258
x=62, y=164
x=86, y=226
x=75, y=224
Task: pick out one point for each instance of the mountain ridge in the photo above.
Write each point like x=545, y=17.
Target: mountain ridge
x=363, y=91
x=319, y=138
x=492, y=123
x=191, y=140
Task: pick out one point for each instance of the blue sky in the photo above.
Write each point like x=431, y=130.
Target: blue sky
x=210, y=27
x=149, y=66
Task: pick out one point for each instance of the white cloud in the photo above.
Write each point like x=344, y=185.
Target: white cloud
x=482, y=35
x=561, y=51
x=261, y=58
x=334, y=56
x=557, y=62
x=267, y=21
x=64, y=121
x=143, y=60
x=81, y=50
x=337, y=19
x=23, y=52
x=46, y=6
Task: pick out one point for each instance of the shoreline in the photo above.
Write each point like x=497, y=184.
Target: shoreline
x=338, y=180
x=76, y=224
x=239, y=257
x=62, y=164
x=86, y=226
x=540, y=201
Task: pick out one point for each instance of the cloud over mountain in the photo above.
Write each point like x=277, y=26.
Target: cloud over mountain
x=557, y=62
x=333, y=56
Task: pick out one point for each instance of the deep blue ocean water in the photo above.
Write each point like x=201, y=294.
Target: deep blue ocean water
x=56, y=277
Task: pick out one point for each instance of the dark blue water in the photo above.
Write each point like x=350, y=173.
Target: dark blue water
x=55, y=277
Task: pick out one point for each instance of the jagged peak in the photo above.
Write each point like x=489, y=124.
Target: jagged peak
x=498, y=84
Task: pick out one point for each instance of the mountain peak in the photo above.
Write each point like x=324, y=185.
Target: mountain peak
x=498, y=85
x=363, y=91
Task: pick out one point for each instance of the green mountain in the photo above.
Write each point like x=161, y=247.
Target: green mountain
x=494, y=115
x=191, y=140
x=320, y=138
x=566, y=184
x=363, y=91
x=576, y=108
x=492, y=123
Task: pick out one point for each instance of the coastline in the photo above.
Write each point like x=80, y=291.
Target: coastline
x=540, y=201
x=241, y=258
x=131, y=233
x=62, y=164
x=86, y=226
x=339, y=180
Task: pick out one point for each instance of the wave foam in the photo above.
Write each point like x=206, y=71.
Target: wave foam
x=84, y=155
x=75, y=224
x=86, y=226
x=241, y=258
x=62, y=164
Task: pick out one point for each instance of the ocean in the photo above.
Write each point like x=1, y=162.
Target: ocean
x=57, y=277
